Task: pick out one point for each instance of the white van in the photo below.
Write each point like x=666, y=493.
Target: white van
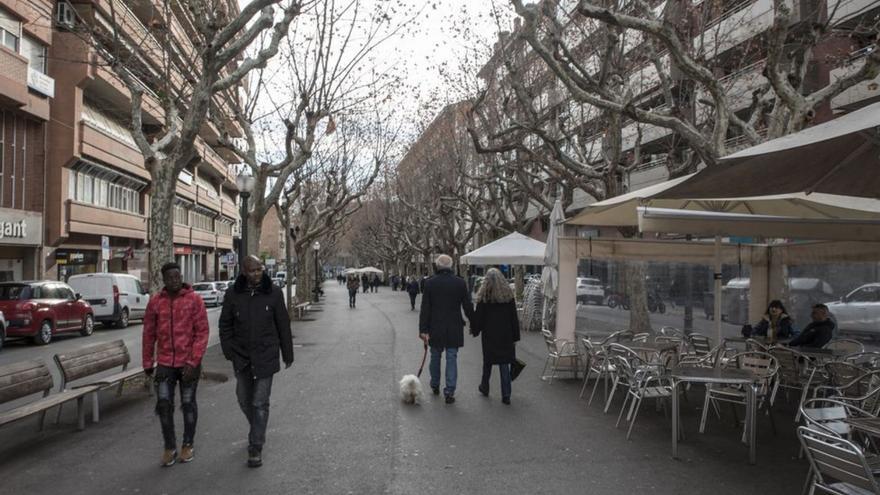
x=116, y=298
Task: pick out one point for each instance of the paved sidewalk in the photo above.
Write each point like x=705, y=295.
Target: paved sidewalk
x=337, y=427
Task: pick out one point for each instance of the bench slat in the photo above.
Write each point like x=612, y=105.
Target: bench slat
x=43, y=404
x=25, y=378
x=92, y=359
x=118, y=377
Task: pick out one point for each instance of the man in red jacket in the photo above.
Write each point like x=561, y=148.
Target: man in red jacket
x=176, y=334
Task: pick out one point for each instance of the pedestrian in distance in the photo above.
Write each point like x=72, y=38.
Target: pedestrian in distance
x=365, y=283
x=496, y=319
x=375, y=283
x=254, y=329
x=412, y=288
x=176, y=335
x=441, y=325
x=353, y=285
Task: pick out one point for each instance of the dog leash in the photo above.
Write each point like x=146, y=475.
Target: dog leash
x=422, y=366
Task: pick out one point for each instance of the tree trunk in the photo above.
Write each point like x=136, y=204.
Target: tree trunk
x=305, y=274
x=519, y=285
x=639, y=318
x=161, y=223
x=255, y=229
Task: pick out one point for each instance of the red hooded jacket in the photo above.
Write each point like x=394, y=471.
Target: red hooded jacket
x=175, y=329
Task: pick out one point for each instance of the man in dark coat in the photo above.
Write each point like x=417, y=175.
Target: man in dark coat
x=441, y=325
x=254, y=328
x=818, y=332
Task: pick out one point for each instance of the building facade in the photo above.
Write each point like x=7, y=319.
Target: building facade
x=96, y=211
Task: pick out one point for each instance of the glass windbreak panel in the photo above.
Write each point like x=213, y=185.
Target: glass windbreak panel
x=15, y=292
x=654, y=297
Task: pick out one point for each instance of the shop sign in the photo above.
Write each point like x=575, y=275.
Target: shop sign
x=20, y=227
x=63, y=257
x=183, y=250
x=41, y=83
x=105, y=247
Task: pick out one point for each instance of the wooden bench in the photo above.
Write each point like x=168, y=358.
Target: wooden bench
x=19, y=380
x=301, y=309
x=91, y=360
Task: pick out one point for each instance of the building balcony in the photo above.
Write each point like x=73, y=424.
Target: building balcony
x=740, y=86
x=846, y=10
x=224, y=241
x=13, y=78
x=862, y=93
x=89, y=219
x=111, y=150
x=742, y=22
x=650, y=133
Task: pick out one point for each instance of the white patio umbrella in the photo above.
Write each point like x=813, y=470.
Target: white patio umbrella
x=370, y=269
x=550, y=273
x=512, y=249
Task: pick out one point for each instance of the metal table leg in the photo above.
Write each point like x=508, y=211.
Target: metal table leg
x=675, y=418
x=753, y=423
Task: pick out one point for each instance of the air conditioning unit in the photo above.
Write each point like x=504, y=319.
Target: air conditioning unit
x=65, y=15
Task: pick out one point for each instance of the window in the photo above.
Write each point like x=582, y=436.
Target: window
x=32, y=50
x=181, y=215
x=97, y=191
x=224, y=227
x=202, y=221
x=10, y=30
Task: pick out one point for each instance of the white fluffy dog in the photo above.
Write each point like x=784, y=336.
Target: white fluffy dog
x=410, y=389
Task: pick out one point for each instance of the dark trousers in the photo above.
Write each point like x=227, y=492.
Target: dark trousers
x=166, y=381
x=352, y=296
x=505, y=378
x=412, y=300
x=253, y=398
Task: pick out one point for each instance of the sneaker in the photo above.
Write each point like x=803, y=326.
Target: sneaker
x=435, y=390
x=255, y=457
x=450, y=399
x=187, y=453
x=483, y=390
x=169, y=457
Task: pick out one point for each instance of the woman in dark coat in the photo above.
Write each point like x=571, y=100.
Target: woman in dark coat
x=496, y=319
x=776, y=324
x=412, y=288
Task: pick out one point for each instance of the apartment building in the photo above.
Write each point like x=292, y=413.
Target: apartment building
x=26, y=93
x=97, y=188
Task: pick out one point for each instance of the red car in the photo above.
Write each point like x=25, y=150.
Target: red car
x=41, y=309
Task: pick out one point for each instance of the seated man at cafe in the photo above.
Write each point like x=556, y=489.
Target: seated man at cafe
x=819, y=332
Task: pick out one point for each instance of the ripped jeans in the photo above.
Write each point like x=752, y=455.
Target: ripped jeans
x=166, y=380
x=253, y=398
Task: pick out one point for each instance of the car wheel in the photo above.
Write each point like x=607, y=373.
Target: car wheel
x=88, y=326
x=44, y=333
x=122, y=322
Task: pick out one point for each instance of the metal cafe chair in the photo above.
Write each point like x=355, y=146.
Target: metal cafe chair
x=796, y=372
x=837, y=466
x=596, y=363
x=644, y=382
x=559, y=350
x=764, y=366
x=849, y=346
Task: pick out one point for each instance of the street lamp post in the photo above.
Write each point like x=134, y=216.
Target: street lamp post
x=245, y=185
x=316, y=246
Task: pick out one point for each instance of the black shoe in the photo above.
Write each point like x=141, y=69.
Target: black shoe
x=435, y=390
x=255, y=457
x=483, y=390
x=506, y=400
x=450, y=399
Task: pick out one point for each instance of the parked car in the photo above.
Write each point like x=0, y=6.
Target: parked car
x=590, y=290
x=279, y=279
x=2, y=329
x=211, y=292
x=116, y=298
x=803, y=293
x=41, y=309
x=858, y=311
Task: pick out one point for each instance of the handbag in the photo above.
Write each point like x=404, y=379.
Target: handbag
x=516, y=368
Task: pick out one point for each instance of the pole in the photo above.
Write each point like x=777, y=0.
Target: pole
x=316, y=276
x=242, y=254
x=717, y=279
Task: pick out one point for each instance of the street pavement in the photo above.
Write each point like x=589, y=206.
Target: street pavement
x=337, y=427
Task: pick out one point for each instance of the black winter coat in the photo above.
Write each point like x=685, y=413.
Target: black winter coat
x=816, y=334
x=499, y=325
x=444, y=296
x=412, y=287
x=254, y=327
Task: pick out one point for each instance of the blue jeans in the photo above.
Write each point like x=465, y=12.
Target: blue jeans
x=451, y=368
x=253, y=398
x=505, y=378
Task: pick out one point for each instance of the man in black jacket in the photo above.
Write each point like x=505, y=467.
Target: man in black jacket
x=819, y=332
x=441, y=326
x=254, y=328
